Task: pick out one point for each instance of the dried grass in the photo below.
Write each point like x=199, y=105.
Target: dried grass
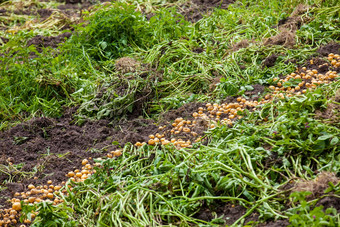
x=285, y=38
x=242, y=44
x=127, y=65
x=287, y=30
x=318, y=185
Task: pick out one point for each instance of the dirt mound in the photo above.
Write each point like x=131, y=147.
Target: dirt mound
x=126, y=65
x=242, y=44
x=288, y=26
x=193, y=11
x=44, y=13
x=41, y=42
x=318, y=185
x=285, y=38
x=329, y=48
x=45, y=149
x=295, y=20
x=184, y=111
x=269, y=61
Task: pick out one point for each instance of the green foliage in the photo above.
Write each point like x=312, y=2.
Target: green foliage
x=290, y=130
x=304, y=215
x=119, y=97
x=323, y=28
x=246, y=164
x=112, y=32
x=167, y=25
x=49, y=215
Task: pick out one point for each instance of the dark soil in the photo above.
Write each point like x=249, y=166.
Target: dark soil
x=44, y=13
x=73, y=1
x=319, y=64
x=328, y=202
x=284, y=38
x=184, y=111
x=41, y=42
x=194, y=11
x=73, y=9
x=4, y=40
x=288, y=26
x=242, y=44
x=269, y=61
x=329, y=48
x=198, y=50
x=229, y=213
x=57, y=146
x=278, y=223
x=255, y=94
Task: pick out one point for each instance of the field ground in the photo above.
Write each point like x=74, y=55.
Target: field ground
x=169, y=113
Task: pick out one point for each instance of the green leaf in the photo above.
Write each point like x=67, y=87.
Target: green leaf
x=325, y=137
x=335, y=141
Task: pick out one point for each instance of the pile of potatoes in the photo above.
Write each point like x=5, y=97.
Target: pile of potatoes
x=296, y=83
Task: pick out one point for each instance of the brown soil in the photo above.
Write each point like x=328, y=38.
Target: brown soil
x=287, y=28
x=329, y=48
x=319, y=64
x=317, y=186
x=56, y=146
x=269, y=61
x=242, y=44
x=328, y=202
x=41, y=42
x=295, y=20
x=44, y=13
x=198, y=50
x=184, y=111
x=278, y=223
x=285, y=38
x=231, y=213
x=127, y=65
x=332, y=112
x=193, y=11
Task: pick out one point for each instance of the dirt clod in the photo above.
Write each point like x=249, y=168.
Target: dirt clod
x=285, y=38
x=288, y=26
x=44, y=13
x=242, y=44
x=270, y=61
x=126, y=65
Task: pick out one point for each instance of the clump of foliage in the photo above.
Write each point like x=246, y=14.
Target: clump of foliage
x=304, y=215
x=112, y=32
